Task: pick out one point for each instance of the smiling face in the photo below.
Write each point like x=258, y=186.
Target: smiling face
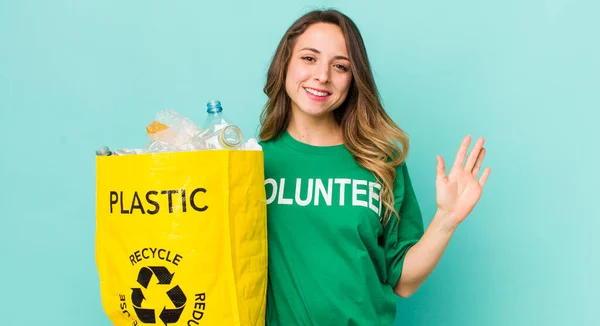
x=318, y=75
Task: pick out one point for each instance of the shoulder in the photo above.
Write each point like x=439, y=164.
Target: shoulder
x=274, y=152
x=402, y=171
x=402, y=180
x=271, y=145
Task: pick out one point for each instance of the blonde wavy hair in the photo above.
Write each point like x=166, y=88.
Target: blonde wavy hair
x=369, y=133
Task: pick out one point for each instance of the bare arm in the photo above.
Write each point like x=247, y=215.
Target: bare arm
x=422, y=258
x=456, y=196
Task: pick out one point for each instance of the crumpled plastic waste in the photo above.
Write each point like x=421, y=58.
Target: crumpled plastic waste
x=172, y=132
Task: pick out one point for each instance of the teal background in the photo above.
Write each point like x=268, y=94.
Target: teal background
x=75, y=75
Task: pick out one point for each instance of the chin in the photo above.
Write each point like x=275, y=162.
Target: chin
x=315, y=110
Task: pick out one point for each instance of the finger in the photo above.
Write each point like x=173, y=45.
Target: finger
x=462, y=152
x=479, y=161
x=484, y=177
x=472, y=159
x=441, y=169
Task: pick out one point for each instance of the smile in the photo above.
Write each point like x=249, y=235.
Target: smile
x=316, y=92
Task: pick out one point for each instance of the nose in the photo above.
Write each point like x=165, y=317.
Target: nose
x=321, y=72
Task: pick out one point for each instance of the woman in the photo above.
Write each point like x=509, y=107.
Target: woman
x=345, y=229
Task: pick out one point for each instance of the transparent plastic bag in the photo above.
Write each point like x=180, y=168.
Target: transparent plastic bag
x=171, y=131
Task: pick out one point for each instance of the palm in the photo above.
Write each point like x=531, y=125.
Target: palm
x=458, y=193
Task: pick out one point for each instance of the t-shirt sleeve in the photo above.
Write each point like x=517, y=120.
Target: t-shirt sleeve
x=400, y=237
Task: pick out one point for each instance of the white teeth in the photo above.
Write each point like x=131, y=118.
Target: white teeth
x=317, y=93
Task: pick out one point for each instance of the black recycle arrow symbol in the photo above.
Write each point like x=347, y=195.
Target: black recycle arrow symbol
x=169, y=316
x=137, y=296
x=145, y=315
x=178, y=298
x=161, y=273
x=176, y=295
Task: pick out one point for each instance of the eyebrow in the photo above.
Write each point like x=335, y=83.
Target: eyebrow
x=319, y=52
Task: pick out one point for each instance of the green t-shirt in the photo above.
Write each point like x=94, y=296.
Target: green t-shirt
x=331, y=262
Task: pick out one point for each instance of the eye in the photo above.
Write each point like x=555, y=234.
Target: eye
x=341, y=67
x=309, y=59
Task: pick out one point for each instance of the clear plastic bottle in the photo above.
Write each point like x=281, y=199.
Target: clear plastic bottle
x=217, y=130
x=103, y=151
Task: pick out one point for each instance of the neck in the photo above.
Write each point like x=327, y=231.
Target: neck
x=315, y=131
